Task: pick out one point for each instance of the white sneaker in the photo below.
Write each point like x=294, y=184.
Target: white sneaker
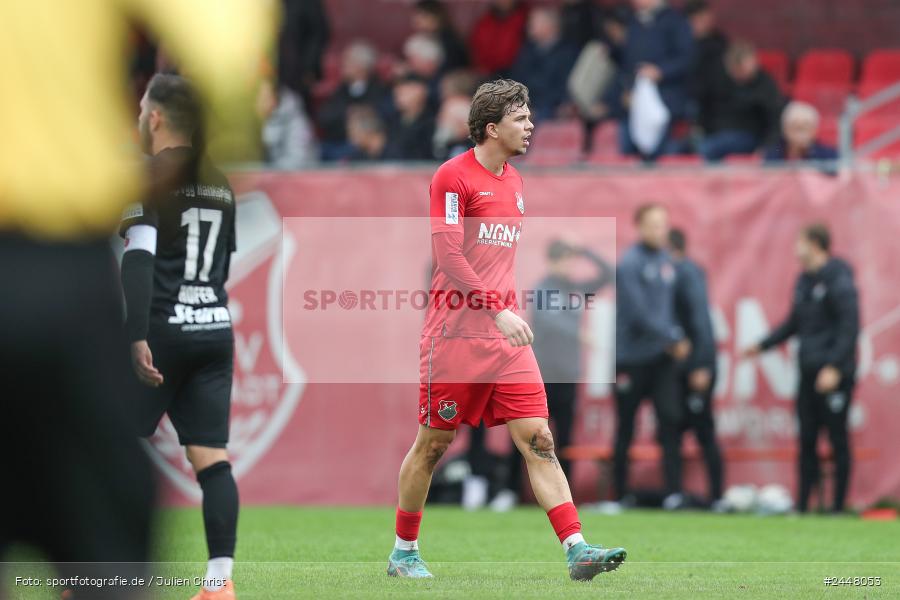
x=504, y=501
x=474, y=492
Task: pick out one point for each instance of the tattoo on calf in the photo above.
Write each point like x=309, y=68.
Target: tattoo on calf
x=537, y=450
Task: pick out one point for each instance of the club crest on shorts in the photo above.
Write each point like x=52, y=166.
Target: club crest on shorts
x=447, y=410
x=520, y=202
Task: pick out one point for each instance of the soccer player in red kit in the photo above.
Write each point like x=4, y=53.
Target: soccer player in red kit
x=476, y=356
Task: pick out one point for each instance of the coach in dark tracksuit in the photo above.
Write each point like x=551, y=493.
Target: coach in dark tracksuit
x=825, y=317
x=649, y=342
x=697, y=374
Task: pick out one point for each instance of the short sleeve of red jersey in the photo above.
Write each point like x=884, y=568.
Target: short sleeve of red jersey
x=448, y=200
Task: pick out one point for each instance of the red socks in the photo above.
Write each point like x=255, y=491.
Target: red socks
x=564, y=519
x=408, y=524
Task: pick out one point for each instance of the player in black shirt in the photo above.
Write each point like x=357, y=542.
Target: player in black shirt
x=176, y=262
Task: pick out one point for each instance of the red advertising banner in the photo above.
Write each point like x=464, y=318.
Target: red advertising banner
x=299, y=441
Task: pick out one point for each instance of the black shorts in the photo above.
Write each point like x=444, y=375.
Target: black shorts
x=196, y=390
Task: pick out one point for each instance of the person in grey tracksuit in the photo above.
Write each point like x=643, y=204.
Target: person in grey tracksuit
x=649, y=343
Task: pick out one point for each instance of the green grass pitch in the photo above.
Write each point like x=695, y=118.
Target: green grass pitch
x=301, y=552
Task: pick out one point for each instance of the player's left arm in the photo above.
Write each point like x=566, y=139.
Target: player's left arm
x=137, y=286
x=844, y=302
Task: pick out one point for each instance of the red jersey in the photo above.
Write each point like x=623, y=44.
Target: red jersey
x=476, y=221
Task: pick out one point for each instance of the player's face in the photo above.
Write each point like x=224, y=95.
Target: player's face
x=654, y=228
x=803, y=250
x=514, y=131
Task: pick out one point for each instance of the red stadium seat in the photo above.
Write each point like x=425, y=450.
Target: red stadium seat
x=605, y=141
x=680, y=160
x=870, y=127
x=776, y=64
x=828, y=130
x=831, y=67
x=881, y=66
x=829, y=98
x=331, y=75
x=556, y=143
x=617, y=160
x=868, y=89
x=386, y=67
x=743, y=159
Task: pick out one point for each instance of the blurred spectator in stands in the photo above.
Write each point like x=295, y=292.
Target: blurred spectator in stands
x=799, y=127
x=366, y=133
x=412, y=130
x=497, y=37
x=431, y=18
x=460, y=82
x=544, y=63
x=451, y=136
x=424, y=59
x=595, y=69
x=745, y=109
x=287, y=135
x=586, y=20
x=301, y=44
x=658, y=45
x=709, y=58
x=359, y=85
x=579, y=20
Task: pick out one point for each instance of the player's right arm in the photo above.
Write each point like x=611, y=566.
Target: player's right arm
x=139, y=228
x=448, y=207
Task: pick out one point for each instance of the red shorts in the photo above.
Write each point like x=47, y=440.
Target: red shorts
x=465, y=380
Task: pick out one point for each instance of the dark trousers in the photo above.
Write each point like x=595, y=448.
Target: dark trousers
x=814, y=411
x=561, y=405
x=698, y=418
x=658, y=381
x=79, y=486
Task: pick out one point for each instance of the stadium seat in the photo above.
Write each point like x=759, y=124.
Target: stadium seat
x=828, y=130
x=882, y=67
x=825, y=67
x=743, y=159
x=869, y=127
x=605, y=141
x=869, y=89
x=331, y=75
x=386, y=67
x=615, y=160
x=680, y=160
x=829, y=98
x=776, y=64
x=556, y=143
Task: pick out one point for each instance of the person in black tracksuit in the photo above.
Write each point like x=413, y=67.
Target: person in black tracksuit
x=697, y=374
x=649, y=344
x=825, y=317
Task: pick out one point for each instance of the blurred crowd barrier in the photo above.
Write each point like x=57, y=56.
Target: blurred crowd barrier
x=299, y=441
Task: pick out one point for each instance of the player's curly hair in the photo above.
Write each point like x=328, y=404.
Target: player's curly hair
x=492, y=101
